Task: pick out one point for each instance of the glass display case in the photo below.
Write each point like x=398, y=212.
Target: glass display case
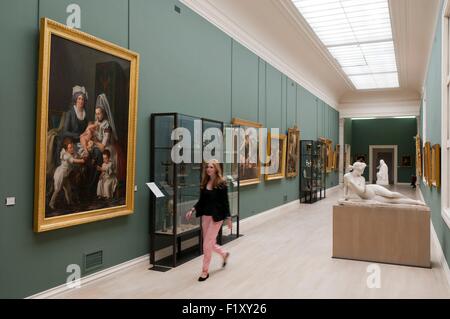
x=231, y=174
x=313, y=171
x=180, y=183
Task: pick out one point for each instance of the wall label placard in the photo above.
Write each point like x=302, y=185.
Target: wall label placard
x=155, y=189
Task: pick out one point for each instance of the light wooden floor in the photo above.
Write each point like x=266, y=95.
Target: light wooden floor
x=284, y=254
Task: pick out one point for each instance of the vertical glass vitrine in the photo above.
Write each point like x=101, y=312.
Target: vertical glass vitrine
x=312, y=170
x=231, y=174
x=180, y=180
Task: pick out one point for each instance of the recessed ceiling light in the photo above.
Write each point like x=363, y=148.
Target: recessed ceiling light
x=358, y=35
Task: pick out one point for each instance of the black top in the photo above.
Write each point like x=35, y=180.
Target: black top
x=213, y=203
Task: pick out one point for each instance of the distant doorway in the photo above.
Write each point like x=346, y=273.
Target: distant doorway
x=388, y=153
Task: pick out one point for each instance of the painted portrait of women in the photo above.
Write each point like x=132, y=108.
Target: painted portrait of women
x=85, y=165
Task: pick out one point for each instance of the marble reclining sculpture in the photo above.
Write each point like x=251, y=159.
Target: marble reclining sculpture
x=371, y=193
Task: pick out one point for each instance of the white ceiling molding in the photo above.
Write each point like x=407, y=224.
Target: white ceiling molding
x=375, y=96
x=431, y=41
x=400, y=27
x=379, y=109
x=208, y=10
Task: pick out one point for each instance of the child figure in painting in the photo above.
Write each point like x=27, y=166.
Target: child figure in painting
x=87, y=138
x=67, y=157
x=85, y=153
x=107, y=182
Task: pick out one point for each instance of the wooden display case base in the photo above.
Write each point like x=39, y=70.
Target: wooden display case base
x=394, y=234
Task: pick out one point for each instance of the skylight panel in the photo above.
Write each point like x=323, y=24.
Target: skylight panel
x=358, y=34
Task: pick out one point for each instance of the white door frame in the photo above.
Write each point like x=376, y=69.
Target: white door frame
x=394, y=164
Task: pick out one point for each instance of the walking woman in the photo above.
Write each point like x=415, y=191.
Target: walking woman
x=213, y=207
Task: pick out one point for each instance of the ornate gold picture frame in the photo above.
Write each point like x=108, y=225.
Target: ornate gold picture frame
x=418, y=156
x=86, y=128
x=436, y=165
x=336, y=157
x=329, y=154
x=293, y=152
x=250, y=171
x=427, y=163
x=276, y=157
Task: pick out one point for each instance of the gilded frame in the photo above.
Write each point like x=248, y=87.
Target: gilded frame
x=244, y=124
x=427, y=163
x=418, y=156
x=293, y=132
x=436, y=165
x=41, y=222
x=329, y=154
x=336, y=157
x=282, y=138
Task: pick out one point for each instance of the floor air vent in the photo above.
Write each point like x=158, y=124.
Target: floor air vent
x=93, y=260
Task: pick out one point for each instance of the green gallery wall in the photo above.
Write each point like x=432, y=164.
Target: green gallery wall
x=186, y=65
x=432, y=86
x=391, y=131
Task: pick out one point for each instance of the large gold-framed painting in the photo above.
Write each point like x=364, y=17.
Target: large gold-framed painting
x=336, y=157
x=329, y=154
x=249, y=148
x=276, y=156
x=86, y=128
x=436, y=165
x=418, y=156
x=427, y=164
x=293, y=152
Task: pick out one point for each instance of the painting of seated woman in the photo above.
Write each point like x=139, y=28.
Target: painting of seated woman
x=85, y=167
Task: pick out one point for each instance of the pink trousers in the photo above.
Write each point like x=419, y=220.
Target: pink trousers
x=210, y=229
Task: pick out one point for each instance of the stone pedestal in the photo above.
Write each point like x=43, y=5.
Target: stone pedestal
x=396, y=234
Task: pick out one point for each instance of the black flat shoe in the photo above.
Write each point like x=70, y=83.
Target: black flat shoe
x=203, y=278
x=225, y=260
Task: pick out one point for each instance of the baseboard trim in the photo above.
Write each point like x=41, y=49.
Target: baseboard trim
x=421, y=195
x=268, y=212
x=435, y=240
x=293, y=203
x=334, y=189
x=90, y=278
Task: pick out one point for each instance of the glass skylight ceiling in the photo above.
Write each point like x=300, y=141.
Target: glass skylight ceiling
x=358, y=35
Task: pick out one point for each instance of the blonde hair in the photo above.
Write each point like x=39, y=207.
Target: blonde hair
x=219, y=180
